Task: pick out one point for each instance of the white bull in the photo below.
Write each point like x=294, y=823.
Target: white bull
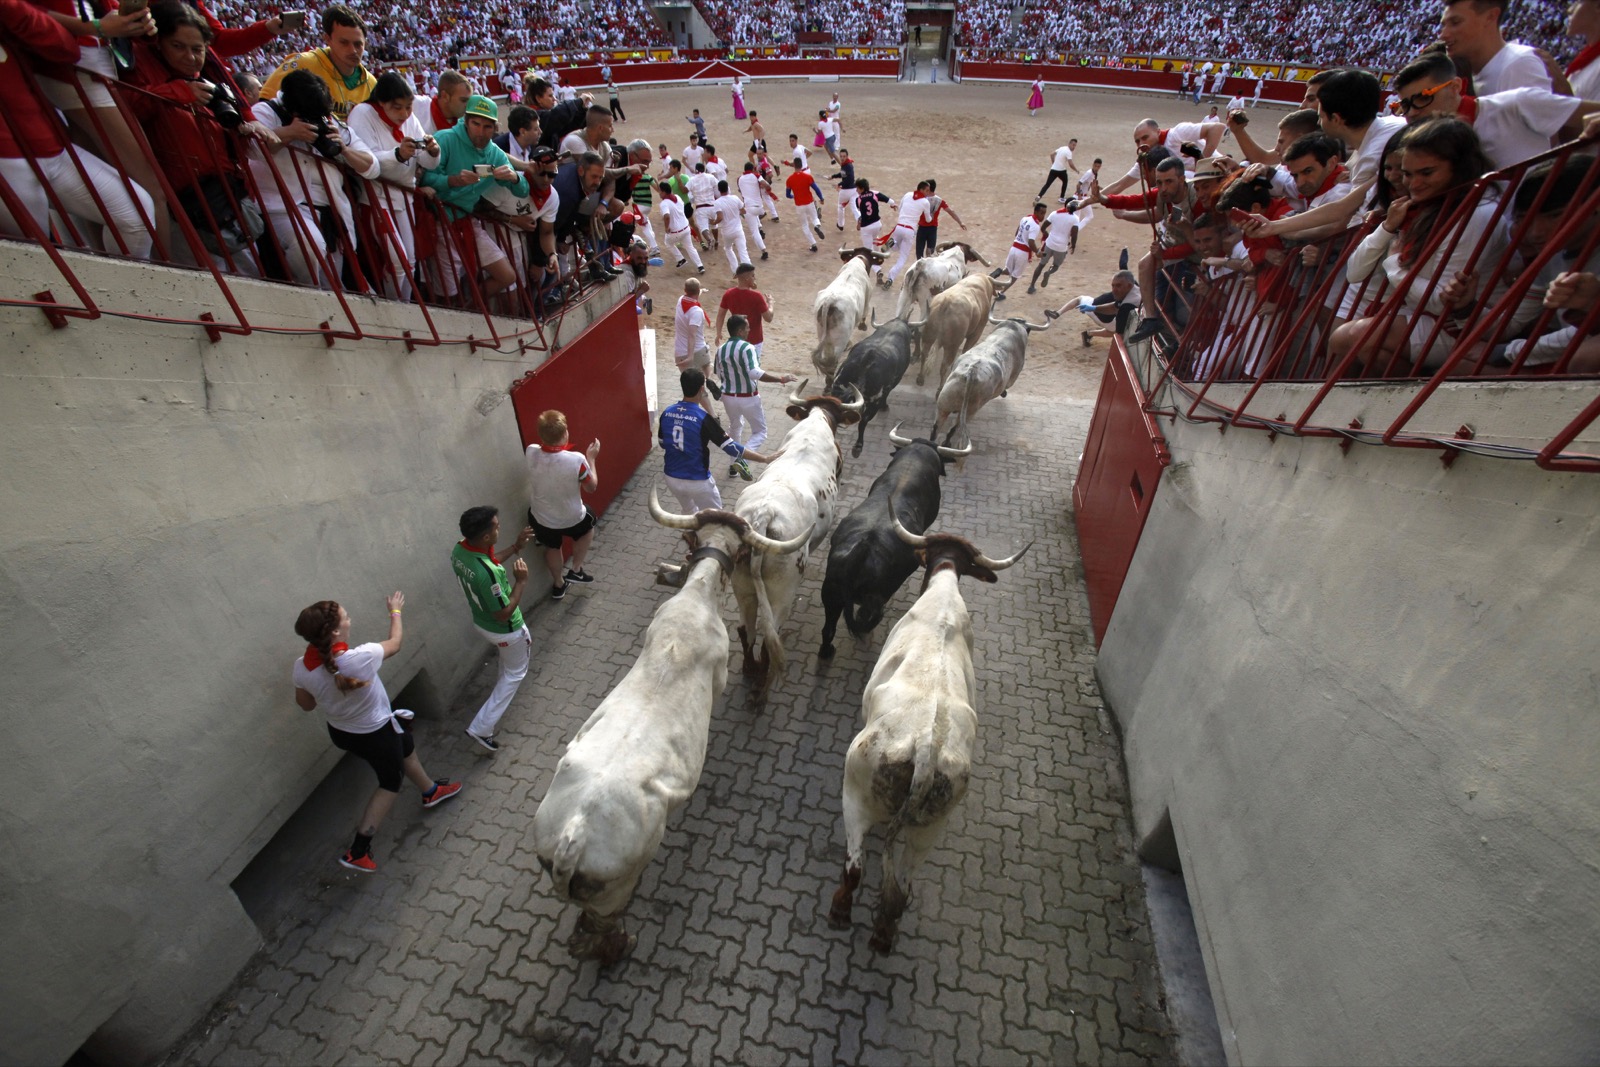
x=841, y=308
x=932, y=275
x=955, y=321
x=908, y=767
x=984, y=372
x=795, y=494
x=638, y=758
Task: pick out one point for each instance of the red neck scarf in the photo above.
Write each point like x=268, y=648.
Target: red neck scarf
x=554, y=448
x=1330, y=181
x=481, y=551
x=394, y=130
x=685, y=303
x=439, y=120
x=1583, y=59
x=1468, y=111
x=313, y=658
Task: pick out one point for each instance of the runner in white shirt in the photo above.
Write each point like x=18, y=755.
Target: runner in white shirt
x=797, y=152
x=675, y=228
x=728, y=211
x=689, y=330
x=914, y=207
x=1261, y=83
x=702, y=194
x=753, y=194
x=692, y=155
x=1060, y=164
x=715, y=166
x=1235, y=103
x=1058, y=241
x=1024, y=245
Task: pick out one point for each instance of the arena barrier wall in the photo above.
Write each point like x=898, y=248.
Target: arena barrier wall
x=1123, y=460
x=1147, y=81
x=588, y=77
x=597, y=381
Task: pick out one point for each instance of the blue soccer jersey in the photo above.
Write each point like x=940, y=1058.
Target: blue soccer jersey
x=687, y=432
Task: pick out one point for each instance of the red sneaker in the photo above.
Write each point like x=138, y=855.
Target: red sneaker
x=364, y=864
x=442, y=792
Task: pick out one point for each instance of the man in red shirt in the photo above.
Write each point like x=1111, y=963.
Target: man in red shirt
x=744, y=299
x=801, y=187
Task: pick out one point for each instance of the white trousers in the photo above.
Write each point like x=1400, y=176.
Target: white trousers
x=752, y=226
x=846, y=197
x=905, y=243
x=75, y=197
x=808, y=220
x=733, y=247
x=395, y=206
x=683, y=244
x=1017, y=261
x=746, y=409
x=695, y=494
x=649, y=231
x=515, y=649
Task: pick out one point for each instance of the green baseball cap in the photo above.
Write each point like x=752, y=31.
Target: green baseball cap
x=483, y=108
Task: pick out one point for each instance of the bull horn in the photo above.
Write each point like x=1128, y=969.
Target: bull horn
x=916, y=325
x=948, y=245
x=914, y=540
x=668, y=519
x=1009, y=280
x=973, y=253
x=794, y=396
x=1000, y=564
x=861, y=401
x=1031, y=328
x=763, y=543
x=954, y=453
x=895, y=438
x=998, y=322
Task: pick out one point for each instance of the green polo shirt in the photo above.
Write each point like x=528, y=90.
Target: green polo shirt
x=487, y=586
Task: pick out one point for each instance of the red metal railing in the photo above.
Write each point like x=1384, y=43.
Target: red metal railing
x=1463, y=303
x=367, y=254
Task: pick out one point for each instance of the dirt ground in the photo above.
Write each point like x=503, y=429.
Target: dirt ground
x=989, y=158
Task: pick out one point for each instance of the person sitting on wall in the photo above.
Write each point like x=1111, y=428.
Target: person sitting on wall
x=344, y=683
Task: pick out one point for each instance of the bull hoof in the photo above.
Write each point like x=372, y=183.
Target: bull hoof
x=1002, y=394
x=881, y=943
x=614, y=948
x=839, y=920
x=855, y=449
x=826, y=652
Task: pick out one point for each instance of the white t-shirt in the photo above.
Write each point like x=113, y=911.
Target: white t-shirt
x=1366, y=162
x=717, y=169
x=1183, y=131
x=1586, y=81
x=672, y=215
x=689, y=330
x=1063, y=157
x=913, y=210
x=702, y=188
x=800, y=156
x=359, y=711
x=1519, y=123
x=692, y=155
x=750, y=192
x=731, y=209
x=1235, y=103
x=555, y=486
x=1515, y=66
x=1062, y=223
x=1027, y=230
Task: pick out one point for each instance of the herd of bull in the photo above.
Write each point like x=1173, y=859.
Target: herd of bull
x=638, y=757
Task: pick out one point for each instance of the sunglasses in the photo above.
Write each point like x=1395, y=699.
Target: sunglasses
x=1423, y=99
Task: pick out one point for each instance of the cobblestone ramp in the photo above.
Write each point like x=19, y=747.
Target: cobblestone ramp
x=1027, y=940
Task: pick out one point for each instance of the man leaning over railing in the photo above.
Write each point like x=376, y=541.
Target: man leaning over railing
x=469, y=161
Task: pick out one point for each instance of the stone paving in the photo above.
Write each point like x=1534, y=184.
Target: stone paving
x=1027, y=940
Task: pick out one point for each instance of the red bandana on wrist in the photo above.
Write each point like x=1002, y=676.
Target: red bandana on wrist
x=313, y=658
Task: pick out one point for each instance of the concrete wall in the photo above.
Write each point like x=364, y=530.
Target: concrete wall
x=1365, y=689
x=169, y=505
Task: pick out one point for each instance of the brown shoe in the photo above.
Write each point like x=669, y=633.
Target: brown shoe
x=1088, y=341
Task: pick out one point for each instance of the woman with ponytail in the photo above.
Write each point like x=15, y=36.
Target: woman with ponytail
x=344, y=683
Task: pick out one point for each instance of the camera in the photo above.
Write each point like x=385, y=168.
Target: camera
x=224, y=107
x=325, y=145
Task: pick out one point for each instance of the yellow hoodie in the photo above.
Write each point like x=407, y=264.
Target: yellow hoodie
x=317, y=61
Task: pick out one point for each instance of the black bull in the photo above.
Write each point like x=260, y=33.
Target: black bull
x=867, y=561
x=875, y=365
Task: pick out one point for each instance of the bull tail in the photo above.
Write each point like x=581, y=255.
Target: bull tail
x=924, y=775
x=564, y=858
x=766, y=622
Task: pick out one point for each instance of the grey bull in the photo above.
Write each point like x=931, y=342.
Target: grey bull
x=984, y=372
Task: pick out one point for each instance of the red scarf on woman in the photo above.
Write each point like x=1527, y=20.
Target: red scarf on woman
x=396, y=131
x=313, y=658
x=1583, y=59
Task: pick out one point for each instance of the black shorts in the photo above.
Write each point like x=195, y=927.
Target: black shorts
x=384, y=748
x=552, y=538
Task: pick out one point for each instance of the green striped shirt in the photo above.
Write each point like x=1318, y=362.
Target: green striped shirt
x=738, y=366
x=644, y=194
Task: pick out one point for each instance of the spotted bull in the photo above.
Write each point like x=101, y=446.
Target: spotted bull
x=841, y=308
x=908, y=767
x=932, y=275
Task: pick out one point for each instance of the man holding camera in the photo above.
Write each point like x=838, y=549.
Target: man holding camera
x=337, y=63
x=468, y=161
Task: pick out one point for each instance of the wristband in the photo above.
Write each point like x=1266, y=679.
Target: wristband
x=393, y=612
x=95, y=24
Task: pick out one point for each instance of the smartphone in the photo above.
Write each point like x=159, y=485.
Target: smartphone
x=132, y=7
x=293, y=20
x=1239, y=215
